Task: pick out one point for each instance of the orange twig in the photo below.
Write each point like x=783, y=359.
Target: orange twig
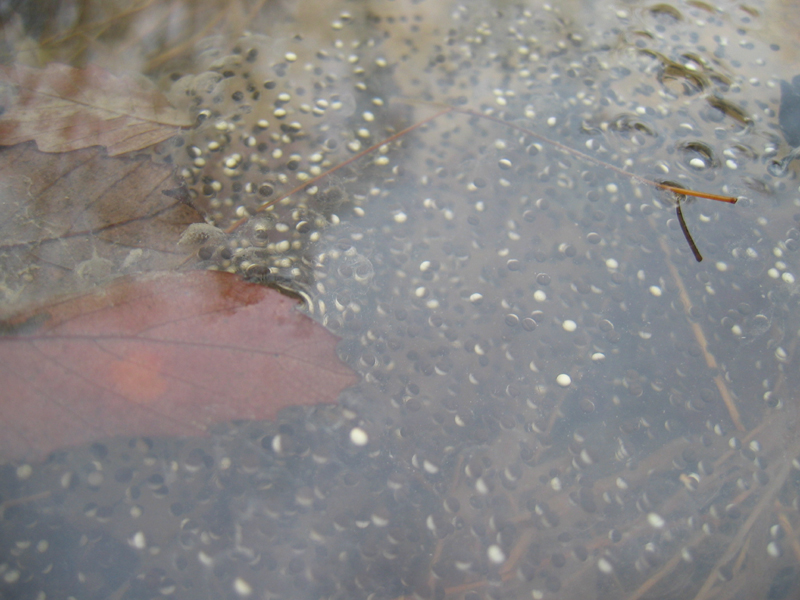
x=593, y=160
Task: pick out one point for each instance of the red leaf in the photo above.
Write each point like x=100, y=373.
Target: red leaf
x=166, y=355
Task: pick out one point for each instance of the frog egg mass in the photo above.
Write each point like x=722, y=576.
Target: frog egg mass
x=556, y=400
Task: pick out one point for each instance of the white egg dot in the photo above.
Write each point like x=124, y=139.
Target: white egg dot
x=598, y=357
x=430, y=467
x=11, y=576
x=774, y=550
x=698, y=163
x=358, y=436
x=495, y=554
x=569, y=325
x=612, y=264
x=788, y=277
x=656, y=521
x=605, y=566
x=655, y=290
x=539, y=296
x=563, y=380
x=241, y=587
x=138, y=541
x=400, y=217
x=612, y=188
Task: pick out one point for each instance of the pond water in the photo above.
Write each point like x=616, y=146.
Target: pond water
x=557, y=400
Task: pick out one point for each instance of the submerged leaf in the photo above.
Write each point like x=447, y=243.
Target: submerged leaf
x=169, y=354
x=63, y=108
x=74, y=220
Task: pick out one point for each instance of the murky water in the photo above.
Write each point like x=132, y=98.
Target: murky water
x=557, y=399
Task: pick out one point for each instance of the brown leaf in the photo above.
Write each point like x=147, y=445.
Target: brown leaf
x=164, y=355
x=75, y=219
x=63, y=108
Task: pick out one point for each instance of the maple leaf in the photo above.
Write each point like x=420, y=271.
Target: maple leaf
x=63, y=108
x=168, y=354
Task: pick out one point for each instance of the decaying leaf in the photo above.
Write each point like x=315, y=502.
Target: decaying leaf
x=63, y=108
x=167, y=354
x=72, y=220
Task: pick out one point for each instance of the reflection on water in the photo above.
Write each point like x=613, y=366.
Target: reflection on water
x=557, y=400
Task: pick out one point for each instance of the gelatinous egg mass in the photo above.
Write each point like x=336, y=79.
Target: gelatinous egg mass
x=556, y=399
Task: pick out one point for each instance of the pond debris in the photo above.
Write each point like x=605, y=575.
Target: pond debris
x=789, y=121
x=556, y=399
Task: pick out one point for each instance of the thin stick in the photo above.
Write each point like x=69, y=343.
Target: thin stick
x=788, y=529
x=698, y=257
x=588, y=157
x=104, y=24
x=167, y=55
x=577, y=153
x=23, y=500
x=668, y=567
x=685, y=192
x=744, y=531
x=353, y=158
x=711, y=362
